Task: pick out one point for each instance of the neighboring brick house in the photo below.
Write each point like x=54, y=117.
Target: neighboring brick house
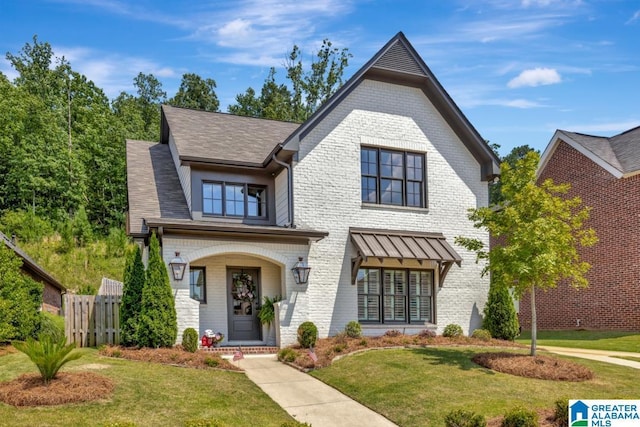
x=53, y=290
x=605, y=174
x=371, y=191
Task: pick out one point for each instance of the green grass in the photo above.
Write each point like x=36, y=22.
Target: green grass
x=592, y=340
x=81, y=268
x=420, y=386
x=149, y=395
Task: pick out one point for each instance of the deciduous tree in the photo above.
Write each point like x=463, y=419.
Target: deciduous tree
x=541, y=230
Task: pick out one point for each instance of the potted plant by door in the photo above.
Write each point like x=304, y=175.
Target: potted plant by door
x=267, y=316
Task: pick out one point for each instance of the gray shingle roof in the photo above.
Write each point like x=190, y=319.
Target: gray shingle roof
x=223, y=137
x=621, y=151
x=153, y=184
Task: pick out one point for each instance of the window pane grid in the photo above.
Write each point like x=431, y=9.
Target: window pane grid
x=392, y=177
x=225, y=199
x=197, y=284
x=399, y=295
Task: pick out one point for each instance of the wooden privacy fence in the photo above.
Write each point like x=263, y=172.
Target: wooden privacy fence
x=92, y=320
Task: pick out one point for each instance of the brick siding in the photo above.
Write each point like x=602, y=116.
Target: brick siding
x=612, y=300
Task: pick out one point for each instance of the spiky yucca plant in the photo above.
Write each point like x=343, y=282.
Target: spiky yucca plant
x=48, y=354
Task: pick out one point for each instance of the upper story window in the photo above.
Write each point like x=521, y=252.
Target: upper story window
x=392, y=177
x=237, y=200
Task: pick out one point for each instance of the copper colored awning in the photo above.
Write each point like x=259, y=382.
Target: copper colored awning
x=402, y=245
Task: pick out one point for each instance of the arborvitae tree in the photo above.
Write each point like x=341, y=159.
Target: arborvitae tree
x=500, y=316
x=158, y=324
x=134, y=277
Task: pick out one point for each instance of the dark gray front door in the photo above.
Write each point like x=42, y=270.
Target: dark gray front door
x=243, y=286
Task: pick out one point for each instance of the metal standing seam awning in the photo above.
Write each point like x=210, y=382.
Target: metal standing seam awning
x=402, y=245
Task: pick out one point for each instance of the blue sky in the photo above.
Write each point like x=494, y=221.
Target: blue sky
x=518, y=69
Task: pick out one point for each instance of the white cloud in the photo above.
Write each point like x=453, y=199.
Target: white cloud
x=634, y=18
x=535, y=77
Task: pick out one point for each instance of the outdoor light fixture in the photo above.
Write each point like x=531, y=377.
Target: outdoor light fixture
x=301, y=272
x=178, y=265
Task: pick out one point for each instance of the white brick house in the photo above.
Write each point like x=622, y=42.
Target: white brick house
x=371, y=191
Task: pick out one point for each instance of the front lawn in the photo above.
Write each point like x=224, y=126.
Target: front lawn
x=149, y=394
x=592, y=340
x=420, y=386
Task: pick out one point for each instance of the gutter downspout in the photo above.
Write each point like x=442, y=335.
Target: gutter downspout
x=289, y=190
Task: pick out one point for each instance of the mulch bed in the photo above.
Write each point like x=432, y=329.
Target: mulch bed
x=541, y=367
x=327, y=349
x=175, y=356
x=67, y=387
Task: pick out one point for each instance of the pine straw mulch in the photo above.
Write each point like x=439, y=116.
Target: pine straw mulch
x=66, y=387
x=539, y=366
x=328, y=349
x=174, y=356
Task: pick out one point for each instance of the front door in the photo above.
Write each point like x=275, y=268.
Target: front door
x=243, y=286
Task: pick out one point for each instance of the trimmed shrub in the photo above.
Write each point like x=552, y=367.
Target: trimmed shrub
x=561, y=412
x=353, y=329
x=190, y=340
x=158, y=325
x=134, y=277
x=20, y=299
x=481, y=334
x=392, y=333
x=211, y=362
x=427, y=333
x=307, y=334
x=520, y=417
x=287, y=355
x=452, y=330
x=460, y=418
x=500, y=317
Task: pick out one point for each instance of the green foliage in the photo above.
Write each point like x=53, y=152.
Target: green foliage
x=287, y=355
x=517, y=153
x=267, y=313
x=20, y=299
x=157, y=325
x=500, y=317
x=481, y=334
x=307, y=334
x=132, y=286
x=295, y=423
x=82, y=231
x=190, y=340
x=307, y=91
x=540, y=229
x=48, y=354
x=51, y=325
x=353, y=329
x=461, y=418
x=117, y=242
x=25, y=225
x=119, y=424
x=561, y=412
x=452, y=330
x=196, y=93
x=520, y=417
x=211, y=362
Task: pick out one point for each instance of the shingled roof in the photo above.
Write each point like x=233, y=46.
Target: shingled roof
x=153, y=184
x=619, y=154
x=221, y=137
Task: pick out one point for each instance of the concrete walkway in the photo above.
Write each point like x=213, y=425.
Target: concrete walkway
x=305, y=398
x=600, y=355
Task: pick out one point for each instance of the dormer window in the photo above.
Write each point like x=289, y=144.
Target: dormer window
x=234, y=200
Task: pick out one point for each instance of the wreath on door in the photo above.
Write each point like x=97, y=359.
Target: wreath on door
x=244, y=289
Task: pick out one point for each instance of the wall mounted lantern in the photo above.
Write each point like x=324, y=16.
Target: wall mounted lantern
x=301, y=272
x=178, y=265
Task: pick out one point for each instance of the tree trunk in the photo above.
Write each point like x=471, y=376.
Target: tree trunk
x=534, y=326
